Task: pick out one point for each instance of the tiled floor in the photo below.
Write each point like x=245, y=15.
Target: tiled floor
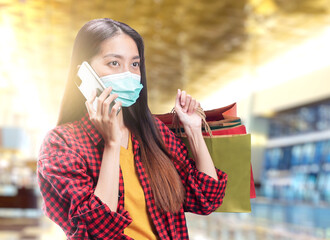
x=231, y=227
x=268, y=221
x=29, y=229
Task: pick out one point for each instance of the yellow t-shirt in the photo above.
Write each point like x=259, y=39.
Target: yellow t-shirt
x=141, y=226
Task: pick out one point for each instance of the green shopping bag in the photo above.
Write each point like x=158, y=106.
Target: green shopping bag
x=232, y=154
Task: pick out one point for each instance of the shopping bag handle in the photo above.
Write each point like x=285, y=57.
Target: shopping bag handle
x=176, y=122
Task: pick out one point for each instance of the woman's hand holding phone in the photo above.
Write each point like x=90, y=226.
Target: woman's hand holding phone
x=105, y=120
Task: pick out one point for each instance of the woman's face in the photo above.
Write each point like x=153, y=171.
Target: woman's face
x=117, y=54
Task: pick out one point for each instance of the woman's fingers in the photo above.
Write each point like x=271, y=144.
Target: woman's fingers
x=101, y=99
x=187, y=103
x=107, y=103
x=114, y=110
x=192, y=106
x=177, y=99
x=183, y=99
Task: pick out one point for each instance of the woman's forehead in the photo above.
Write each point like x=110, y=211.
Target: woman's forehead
x=121, y=45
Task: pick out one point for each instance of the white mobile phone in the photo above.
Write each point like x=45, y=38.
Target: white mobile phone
x=90, y=81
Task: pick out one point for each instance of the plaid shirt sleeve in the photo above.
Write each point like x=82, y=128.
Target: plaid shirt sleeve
x=68, y=193
x=204, y=194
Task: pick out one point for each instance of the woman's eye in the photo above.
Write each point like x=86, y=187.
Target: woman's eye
x=136, y=64
x=113, y=63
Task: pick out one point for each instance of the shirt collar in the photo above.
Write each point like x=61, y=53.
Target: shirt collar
x=91, y=130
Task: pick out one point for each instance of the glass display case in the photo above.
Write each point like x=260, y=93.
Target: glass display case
x=297, y=158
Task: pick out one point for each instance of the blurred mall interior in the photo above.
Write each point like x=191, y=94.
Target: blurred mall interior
x=271, y=57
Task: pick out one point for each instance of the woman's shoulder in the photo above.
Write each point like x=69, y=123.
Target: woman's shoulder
x=64, y=131
x=60, y=137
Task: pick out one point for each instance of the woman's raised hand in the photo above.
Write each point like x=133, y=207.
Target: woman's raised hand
x=185, y=107
x=105, y=122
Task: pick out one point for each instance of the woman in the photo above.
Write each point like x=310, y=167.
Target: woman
x=120, y=173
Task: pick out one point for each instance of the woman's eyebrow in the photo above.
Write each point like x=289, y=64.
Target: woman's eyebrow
x=119, y=56
x=113, y=55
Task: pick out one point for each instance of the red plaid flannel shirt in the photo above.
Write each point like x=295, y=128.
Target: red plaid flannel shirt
x=68, y=169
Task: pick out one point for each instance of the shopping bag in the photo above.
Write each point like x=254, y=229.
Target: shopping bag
x=211, y=115
x=232, y=154
x=222, y=121
x=240, y=129
x=228, y=131
x=235, y=131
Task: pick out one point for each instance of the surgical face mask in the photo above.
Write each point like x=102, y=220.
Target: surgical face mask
x=127, y=85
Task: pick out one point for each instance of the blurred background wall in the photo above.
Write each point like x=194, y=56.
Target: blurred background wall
x=272, y=57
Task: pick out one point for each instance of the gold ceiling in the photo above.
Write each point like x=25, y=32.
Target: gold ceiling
x=194, y=45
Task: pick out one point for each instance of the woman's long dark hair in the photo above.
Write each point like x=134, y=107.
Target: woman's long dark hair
x=165, y=182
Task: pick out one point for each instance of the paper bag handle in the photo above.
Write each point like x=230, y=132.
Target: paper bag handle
x=176, y=122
